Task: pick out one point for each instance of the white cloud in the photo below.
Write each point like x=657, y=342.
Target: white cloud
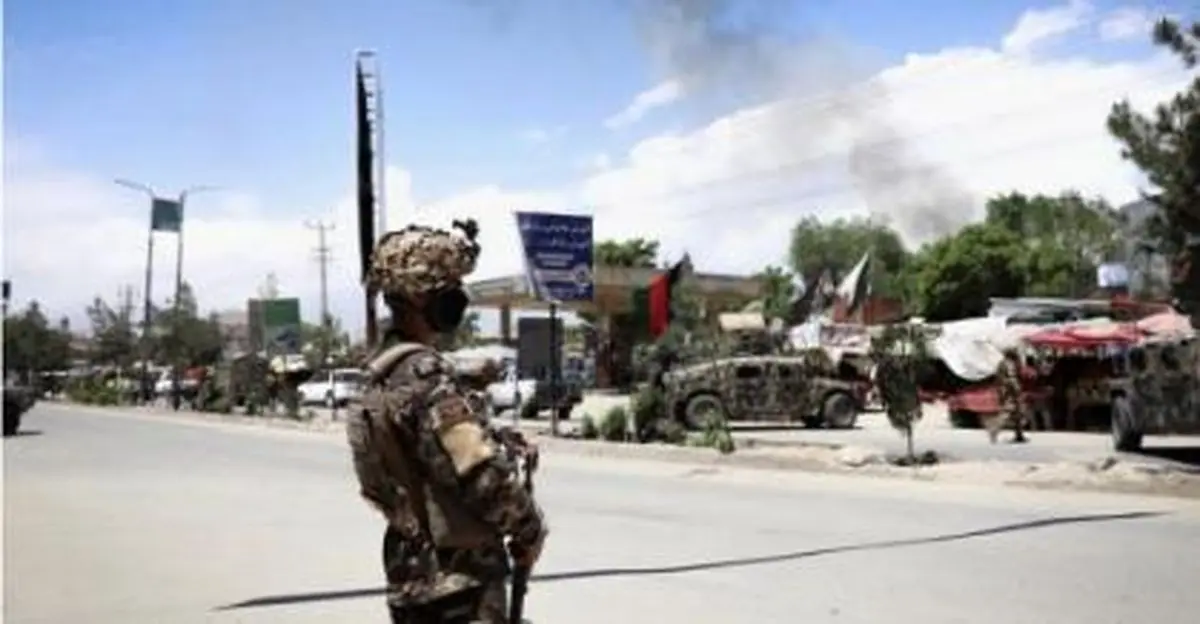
x=1039, y=25
x=657, y=96
x=985, y=121
x=1126, y=23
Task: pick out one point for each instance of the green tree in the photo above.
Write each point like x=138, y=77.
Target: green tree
x=32, y=345
x=114, y=333
x=954, y=277
x=634, y=253
x=840, y=244
x=899, y=353
x=631, y=253
x=328, y=338
x=1166, y=147
x=778, y=288
x=1067, y=237
x=181, y=335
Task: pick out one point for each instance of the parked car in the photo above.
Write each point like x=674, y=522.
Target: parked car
x=332, y=388
x=512, y=392
x=187, y=384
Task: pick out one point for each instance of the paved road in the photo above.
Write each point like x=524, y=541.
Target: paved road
x=128, y=519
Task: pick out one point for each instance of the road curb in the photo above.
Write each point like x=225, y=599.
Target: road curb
x=823, y=458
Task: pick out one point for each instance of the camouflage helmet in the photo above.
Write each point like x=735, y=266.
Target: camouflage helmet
x=420, y=259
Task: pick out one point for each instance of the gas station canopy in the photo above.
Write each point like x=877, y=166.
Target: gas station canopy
x=614, y=287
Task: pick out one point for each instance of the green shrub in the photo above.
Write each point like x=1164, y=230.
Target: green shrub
x=615, y=425
x=716, y=435
x=649, y=409
x=528, y=410
x=92, y=391
x=291, y=402
x=587, y=428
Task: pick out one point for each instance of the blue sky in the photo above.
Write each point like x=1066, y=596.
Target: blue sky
x=255, y=96
x=252, y=94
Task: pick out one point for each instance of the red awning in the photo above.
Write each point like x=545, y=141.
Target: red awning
x=1085, y=337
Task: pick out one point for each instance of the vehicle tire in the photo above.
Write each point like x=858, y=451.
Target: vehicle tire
x=564, y=413
x=698, y=407
x=1126, y=430
x=839, y=411
x=12, y=420
x=964, y=419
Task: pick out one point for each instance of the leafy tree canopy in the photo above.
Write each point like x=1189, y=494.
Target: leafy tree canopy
x=954, y=277
x=631, y=253
x=1066, y=236
x=778, y=289
x=1165, y=145
x=32, y=345
x=838, y=245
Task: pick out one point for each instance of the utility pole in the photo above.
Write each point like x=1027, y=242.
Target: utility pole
x=323, y=258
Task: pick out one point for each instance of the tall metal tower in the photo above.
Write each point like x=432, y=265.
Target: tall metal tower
x=373, y=85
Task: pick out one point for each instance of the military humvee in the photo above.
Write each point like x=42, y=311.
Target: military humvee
x=17, y=401
x=787, y=387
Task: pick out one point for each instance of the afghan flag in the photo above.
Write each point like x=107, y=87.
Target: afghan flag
x=660, y=297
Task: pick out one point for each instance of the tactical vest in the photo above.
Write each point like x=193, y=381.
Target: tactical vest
x=442, y=517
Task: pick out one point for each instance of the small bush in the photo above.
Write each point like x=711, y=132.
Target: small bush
x=717, y=434
x=93, y=392
x=649, y=409
x=615, y=424
x=291, y=402
x=528, y=410
x=587, y=428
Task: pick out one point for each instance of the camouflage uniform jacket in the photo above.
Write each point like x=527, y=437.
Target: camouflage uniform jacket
x=415, y=440
x=1008, y=378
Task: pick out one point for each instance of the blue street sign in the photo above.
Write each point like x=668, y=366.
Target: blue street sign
x=558, y=255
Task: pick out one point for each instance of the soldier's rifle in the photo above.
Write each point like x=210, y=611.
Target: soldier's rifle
x=527, y=456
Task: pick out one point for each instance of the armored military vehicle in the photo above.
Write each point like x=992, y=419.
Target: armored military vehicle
x=17, y=401
x=772, y=387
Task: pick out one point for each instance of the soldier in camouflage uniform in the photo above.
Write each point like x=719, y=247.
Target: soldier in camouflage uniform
x=1012, y=404
x=422, y=457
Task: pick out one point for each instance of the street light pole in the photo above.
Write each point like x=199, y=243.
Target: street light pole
x=176, y=370
x=146, y=389
x=176, y=325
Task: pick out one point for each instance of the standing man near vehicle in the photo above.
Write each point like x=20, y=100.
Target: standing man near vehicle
x=420, y=453
x=1012, y=404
